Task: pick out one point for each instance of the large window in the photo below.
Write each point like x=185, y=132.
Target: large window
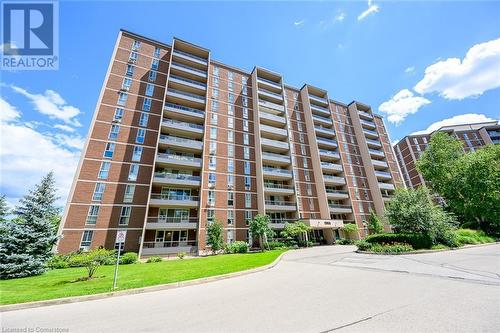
x=246, y=153
x=248, y=200
x=122, y=98
x=98, y=191
x=143, y=120
x=211, y=179
x=104, y=171
x=230, y=165
x=109, y=150
x=86, y=240
x=230, y=217
x=213, y=133
x=92, y=215
x=118, y=114
x=157, y=52
x=133, y=172
x=230, y=199
x=247, y=167
x=127, y=82
x=141, y=133
x=137, y=153
x=230, y=181
x=211, y=198
x=149, y=89
x=230, y=150
x=146, y=104
x=152, y=76
x=154, y=64
x=230, y=136
x=125, y=215
x=128, y=196
x=130, y=70
x=136, y=45
x=113, y=132
x=248, y=183
x=212, y=163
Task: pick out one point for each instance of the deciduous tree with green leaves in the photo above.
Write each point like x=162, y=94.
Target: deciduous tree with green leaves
x=259, y=227
x=296, y=230
x=374, y=224
x=214, y=236
x=349, y=229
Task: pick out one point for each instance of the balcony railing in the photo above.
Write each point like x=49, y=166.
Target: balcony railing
x=166, y=219
x=170, y=196
x=329, y=153
x=329, y=190
x=331, y=166
x=270, y=93
x=339, y=206
x=334, y=179
x=376, y=152
x=383, y=174
x=269, y=81
x=179, y=157
x=184, y=108
x=329, y=141
x=190, y=55
x=365, y=114
x=266, y=115
x=374, y=142
x=370, y=132
x=189, y=67
x=272, y=105
x=279, y=186
x=280, y=203
x=179, y=139
x=370, y=124
x=198, y=83
x=319, y=108
x=318, y=99
x=320, y=118
x=182, y=124
x=180, y=92
x=176, y=176
x=276, y=156
x=150, y=245
x=325, y=129
x=282, y=221
x=277, y=170
x=274, y=143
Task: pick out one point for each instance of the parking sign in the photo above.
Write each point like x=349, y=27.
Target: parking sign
x=120, y=236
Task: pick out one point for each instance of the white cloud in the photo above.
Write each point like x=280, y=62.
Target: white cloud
x=340, y=16
x=299, y=23
x=27, y=155
x=453, y=78
x=468, y=118
x=372, y=9
x=65, y=128
x=52, y=105
x=410, y=69
x=401, y=105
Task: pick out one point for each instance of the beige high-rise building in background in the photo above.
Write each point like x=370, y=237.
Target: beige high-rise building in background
x=179, y=139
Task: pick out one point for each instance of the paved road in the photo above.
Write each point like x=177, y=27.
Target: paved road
x=322, y=289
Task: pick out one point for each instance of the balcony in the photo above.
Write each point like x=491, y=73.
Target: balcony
x=279, y=223
x=365, y=115
x=320, y=100
x=273, y=132
x=170, y=247
x=271, y=119
x=373, y=143
x=164, y=222
x=368, y=124
x=190, y=57
x=337, y=194
x=376, y=153
x=334, y=180
x=170, y=200
x=380, y=164
x=272, y=106
x=187, y=96
x=269, y=83
x=273, y=145
x=327, y=166
x=329, y=155
x=322, y=120
x=280, y=206
x=324, y=130
x=271, y=95
x=340, y=209
x=188, y=69
x=276, y=173
x=386, y=186
x=183, y=112
x=324, y=142
x=178, y=160
x=176, y=179
x=187, y=82
x=181, y=127
x=278, y=189
x=181, y=143
x=370, y=133
x=322, y=111
x=275, y=159
x=383, y=175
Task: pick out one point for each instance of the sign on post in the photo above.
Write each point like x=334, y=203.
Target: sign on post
x=120, y=239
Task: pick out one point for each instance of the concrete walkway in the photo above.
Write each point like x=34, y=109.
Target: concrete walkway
x=320, y=289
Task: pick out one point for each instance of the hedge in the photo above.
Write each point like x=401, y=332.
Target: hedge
x=417, y=241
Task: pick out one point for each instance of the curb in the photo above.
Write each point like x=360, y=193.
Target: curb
x=428, y=251
x=173, y=285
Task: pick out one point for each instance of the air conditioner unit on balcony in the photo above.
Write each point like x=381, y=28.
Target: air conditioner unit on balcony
x=132, y=61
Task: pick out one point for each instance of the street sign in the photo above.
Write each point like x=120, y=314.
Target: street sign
x=120, y=239
x=120, y=236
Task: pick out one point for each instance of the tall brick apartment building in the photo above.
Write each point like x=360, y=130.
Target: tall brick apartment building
x=410, y=148
x=179, y=139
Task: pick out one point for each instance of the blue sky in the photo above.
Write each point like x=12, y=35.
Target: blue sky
x=416, y=63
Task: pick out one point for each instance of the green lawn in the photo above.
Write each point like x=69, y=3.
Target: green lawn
x=61, y=282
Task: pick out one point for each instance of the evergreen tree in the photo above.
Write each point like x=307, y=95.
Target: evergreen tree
x=4, y=209
x=26, y=242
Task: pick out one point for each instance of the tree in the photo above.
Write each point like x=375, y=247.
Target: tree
x=296, y=230
x=349, y=229
x=469, y=183
x=259, y=227
x=4, y=209
x=374, y=223
x=214, y=236
x=92, y=260
x=26, y=241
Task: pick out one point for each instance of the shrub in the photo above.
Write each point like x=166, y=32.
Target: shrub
x=91, y=260
x=391, y=248
x=363, y=245
x=154, y=259
x=469, y=236
x=417, y=241
x=128, y=258
x=181, y=255
x=439, y=247
x=58, y=262
x=344, y=241
x=236, y=247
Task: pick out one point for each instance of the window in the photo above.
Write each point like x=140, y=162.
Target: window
x=211, y=179
x=213, y=133
x=230, y=165
x=301, y=138
x=98, y=191
x=146, y=104
x=248, y=183
x=133, y=56
x=125, y=215
x=309, y=189
x=230, y=86
x=245, y=101
x=137, y=153
x=230, y=181
x=212, y=163
x=211, y=198
x=245, y=113
x=86, y=240
x=213, y=148
x=149, y=89
x=305, y=162
x=109, y=150
x=215, y=93
x=311, y=203
x=122, y=98
x=248, y=200
x=297, y=116
x=126, y=83
x=230, y=136
x=248, y=216
x=244, y=91
x=215, y=106
x=230, y=199
x=128, y=196
x=230, y=150
x=210, y=215
x=299, y=127
x=213, y=118
x=118, y=115
x=216, y=81
x=230, y=109
x=113, y=132
x=230, y=97
x=230, y=76
x=136, y=45
x=133, y=172
x=230, y=122
x=130, y=70
x=141, y=133
x=244, y=80
x=157, y=52
x=152, y=76
x=143, y=120
x=92, y=215
x=216, y=71
x=247, y=167
x=154, y=64
x=307, y=176
x=104, y=171
x=303, y=149
x=246, y=153
x=230, y=218
x=246, y=139
x=245, y=125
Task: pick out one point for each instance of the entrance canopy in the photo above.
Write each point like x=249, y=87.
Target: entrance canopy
x=324, y=224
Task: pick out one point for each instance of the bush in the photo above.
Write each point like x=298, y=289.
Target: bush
x=303, y=243
x=181, y=255
x=276, y=245
x=58, y=262
x=91, y=260
x=391, y=248
x=363, y=245
x=237, y=247
x=128, y=258
x=344, y=241
x=417, y=241
x=439, y=247
x=154, y=259
x=469, y=236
